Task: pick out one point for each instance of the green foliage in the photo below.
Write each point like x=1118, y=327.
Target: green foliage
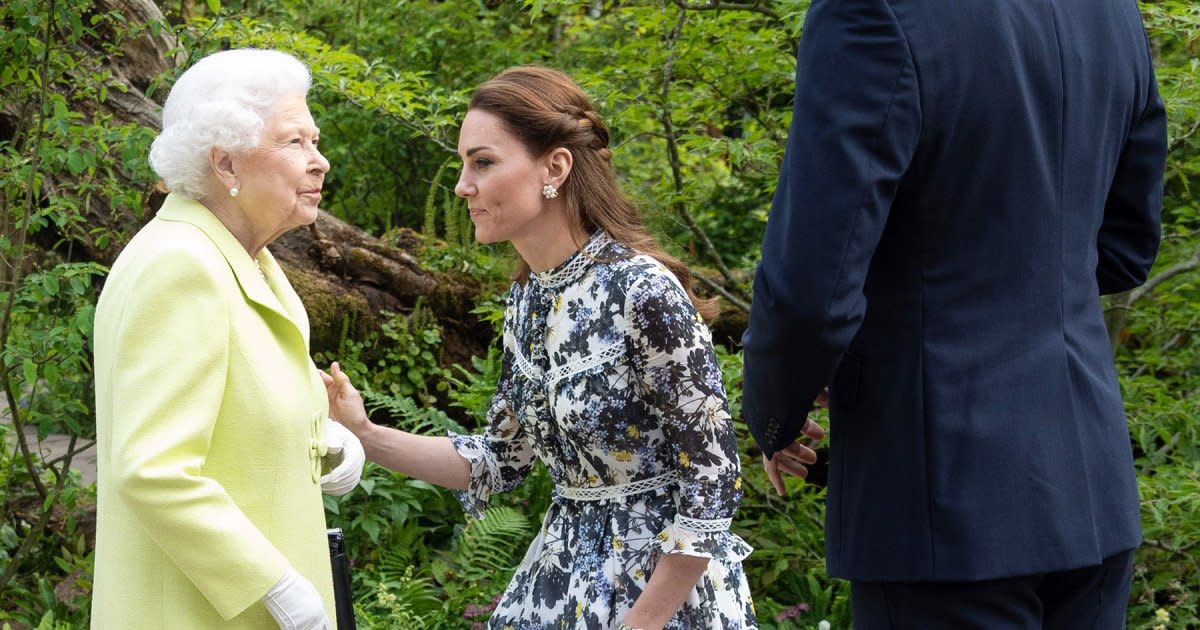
x=399, y=601
x=54, y=586
x=47, y=355
x=416, y=568
x=485, y=549
x=473, y=389
x=698, y=102
x=787, y=569
x=58, y=168
x=1159, y=361
x=400, y=360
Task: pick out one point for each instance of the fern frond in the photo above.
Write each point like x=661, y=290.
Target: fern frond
x=409, y=415
x=489, y=545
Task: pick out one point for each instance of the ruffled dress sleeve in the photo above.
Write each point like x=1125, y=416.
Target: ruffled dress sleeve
x=500, y=457
x=682, y=384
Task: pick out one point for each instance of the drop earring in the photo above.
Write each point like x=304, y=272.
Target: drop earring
x=549, y=191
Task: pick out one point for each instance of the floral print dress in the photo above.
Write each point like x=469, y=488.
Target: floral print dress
x=610, y=379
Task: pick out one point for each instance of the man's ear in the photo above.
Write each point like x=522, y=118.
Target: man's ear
x=221, y=162
x=558, y=166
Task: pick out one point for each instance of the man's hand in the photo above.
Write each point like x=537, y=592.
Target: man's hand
x=793, y=458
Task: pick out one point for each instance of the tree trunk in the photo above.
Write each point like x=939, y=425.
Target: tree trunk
x=346, y=277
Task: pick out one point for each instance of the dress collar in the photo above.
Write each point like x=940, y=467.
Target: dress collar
x=574, y=266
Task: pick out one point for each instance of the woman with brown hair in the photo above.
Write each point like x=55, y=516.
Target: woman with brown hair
x=609, y=378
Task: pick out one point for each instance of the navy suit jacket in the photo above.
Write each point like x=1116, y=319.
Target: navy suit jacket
x=963, y=180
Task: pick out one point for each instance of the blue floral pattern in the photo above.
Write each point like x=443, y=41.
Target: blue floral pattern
x=610, y=379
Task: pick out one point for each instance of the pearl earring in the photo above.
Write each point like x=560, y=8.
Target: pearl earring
x=549, y=191
x=233, y=192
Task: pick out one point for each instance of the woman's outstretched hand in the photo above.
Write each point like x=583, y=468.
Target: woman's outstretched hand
x=345, y=403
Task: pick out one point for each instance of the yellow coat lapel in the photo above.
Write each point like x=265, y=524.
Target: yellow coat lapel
x=269, y=289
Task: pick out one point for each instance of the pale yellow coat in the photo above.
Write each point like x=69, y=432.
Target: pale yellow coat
x=209, y=420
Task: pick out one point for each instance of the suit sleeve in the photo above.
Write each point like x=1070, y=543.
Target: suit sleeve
x=1129, y=234
x=172, y=358
x=855, y=129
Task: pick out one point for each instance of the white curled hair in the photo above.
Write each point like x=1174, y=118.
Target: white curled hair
x=222, y=101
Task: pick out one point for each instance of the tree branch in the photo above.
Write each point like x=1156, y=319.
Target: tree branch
x=1182, y=138
x=718, y=5
x=35, y=533
x=19, y=251
x=1166, y=274
x=677, y=165
x=720, y=290
x=1117, y=311
x=1166, y=347
x=71, y=452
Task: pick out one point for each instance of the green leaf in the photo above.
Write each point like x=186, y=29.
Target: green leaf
x=75, y=163
x=214, y=6
x=76, y=284
x=84, y=317
x=50, y=284
x=371, y=527
x=29, y=368
x=60, y=108
x=50, y=372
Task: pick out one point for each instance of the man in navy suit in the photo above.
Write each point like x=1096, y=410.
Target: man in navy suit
x=963, y=180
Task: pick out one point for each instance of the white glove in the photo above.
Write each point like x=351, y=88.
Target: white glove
x=296, y=605
x=346, y=451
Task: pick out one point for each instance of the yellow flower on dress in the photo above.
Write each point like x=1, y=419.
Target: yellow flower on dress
x=639, y=574
x=684, y=460
x=579, y=610
x=622, y=456
x=737, y=484
x=632, y=431
x=679, y=544
x=618, y=543
x=662, y=536
x=558, y=302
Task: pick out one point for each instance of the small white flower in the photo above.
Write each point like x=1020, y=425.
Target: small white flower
x=823, y=624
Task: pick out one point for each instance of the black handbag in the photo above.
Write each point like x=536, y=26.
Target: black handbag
x=343, y=601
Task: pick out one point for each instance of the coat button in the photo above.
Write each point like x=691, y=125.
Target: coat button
x=316, y=448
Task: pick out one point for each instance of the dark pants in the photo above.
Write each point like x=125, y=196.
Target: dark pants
x=1092, y=597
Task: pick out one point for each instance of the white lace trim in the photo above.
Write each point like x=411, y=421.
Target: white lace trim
x=605, y=493
x=582, y=260
x=703, y=525
x=531, y=371
x=571, y=368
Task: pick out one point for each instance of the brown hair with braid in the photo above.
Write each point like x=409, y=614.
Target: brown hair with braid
x=546, y=110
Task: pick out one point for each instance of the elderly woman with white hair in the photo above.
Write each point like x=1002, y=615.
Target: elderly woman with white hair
x=211, y=417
